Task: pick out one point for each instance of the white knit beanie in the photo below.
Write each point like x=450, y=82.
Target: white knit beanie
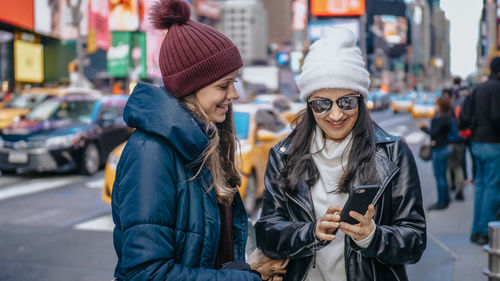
x=334, y=62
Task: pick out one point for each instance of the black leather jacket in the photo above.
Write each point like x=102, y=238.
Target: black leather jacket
x=286, y=227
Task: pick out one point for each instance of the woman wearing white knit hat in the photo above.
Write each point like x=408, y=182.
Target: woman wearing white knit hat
x=334, y=148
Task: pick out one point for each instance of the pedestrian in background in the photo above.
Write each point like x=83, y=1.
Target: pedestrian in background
x=439, y=131
x=484, y=120
x=176, y=208
x=460, y=93
x=335, y=147
x=455, y=175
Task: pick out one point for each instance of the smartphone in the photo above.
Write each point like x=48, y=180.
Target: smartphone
x=358, y=201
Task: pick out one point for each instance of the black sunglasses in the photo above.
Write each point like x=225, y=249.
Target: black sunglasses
x=323, y=105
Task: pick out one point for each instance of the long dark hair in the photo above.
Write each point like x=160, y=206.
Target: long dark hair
x=361, y=158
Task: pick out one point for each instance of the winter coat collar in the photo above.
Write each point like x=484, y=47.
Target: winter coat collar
x=154, y=110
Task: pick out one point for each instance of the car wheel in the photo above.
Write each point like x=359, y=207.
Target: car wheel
x=251, y=200
x=90, y=160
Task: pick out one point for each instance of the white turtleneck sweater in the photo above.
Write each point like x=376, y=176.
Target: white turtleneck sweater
x=330, y=161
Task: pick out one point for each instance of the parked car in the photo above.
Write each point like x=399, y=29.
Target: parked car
x=22, y=103
x=65, y=133
x=258, y=128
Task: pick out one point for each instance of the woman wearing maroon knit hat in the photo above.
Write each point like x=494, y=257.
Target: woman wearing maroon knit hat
x=176, y=207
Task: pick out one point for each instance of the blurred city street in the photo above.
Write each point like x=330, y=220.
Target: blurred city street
x=56, y=227
x=68, y=69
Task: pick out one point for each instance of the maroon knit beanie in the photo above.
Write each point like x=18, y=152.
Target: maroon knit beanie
x=192, y=55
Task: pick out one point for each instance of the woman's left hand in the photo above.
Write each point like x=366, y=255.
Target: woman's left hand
x=365, y=226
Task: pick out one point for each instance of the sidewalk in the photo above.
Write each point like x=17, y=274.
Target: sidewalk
x=449, y=254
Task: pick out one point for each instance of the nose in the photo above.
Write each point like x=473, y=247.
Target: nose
x=335, y=112
x=232, y=93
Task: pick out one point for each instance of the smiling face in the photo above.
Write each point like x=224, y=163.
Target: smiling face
x=335, y=123
x=215, y=98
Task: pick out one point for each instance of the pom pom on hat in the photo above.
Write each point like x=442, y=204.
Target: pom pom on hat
x=165, y=13
x=192, y=55
x=334, y=62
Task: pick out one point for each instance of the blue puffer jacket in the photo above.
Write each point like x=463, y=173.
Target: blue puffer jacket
x=167, y=227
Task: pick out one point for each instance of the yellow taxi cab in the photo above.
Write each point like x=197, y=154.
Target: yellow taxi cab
x=110, y=172
x=424, y=108
x=24, y=102
x=401, y=103
x=258, y=128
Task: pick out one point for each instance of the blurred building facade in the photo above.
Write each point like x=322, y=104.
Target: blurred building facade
x=405, y=43
x=245, y=23
x=488, y=43
x=419, y=55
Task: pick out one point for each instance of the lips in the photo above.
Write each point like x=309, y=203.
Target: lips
x=223, y=108
x=337, y=124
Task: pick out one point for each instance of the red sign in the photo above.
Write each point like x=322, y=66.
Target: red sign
x=18, y=13
x=337, y=7
x=98, y=23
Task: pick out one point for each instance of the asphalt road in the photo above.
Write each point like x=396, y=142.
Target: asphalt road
x=56, y=227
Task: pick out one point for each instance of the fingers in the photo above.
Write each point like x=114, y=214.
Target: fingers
x=363, y=228
x=325, y=226
x=334, y=209
x=279, y=271
x=324, y=236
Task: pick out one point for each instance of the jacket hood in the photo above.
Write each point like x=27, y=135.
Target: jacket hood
x=154, y=110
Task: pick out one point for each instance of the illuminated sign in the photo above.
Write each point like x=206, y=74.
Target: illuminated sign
x=337, y=7
x=18, y=13
x=393, y=29
x=28, y=61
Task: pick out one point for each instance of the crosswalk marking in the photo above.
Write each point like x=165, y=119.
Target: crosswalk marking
x=416, y=137
x=99, y=183
x=104, y=223
x=33, y=186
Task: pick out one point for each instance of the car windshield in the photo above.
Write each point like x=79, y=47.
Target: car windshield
x=428, y=101
x=60, y=110
x=241, y=123
x=25, y=101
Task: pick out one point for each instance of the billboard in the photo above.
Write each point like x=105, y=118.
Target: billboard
x=28, y=62
x=98, y=23
x=299, y=14
x=154, y=39
x=392, y=29
x=337, y=7
x=46, y=16
x=18, y=13
x=314, y=28
x=124, y=15
x=127, y=54
x=54, y=18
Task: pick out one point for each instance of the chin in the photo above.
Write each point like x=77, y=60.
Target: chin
x=219, y=119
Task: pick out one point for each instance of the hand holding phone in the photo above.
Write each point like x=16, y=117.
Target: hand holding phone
x=358, y=201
